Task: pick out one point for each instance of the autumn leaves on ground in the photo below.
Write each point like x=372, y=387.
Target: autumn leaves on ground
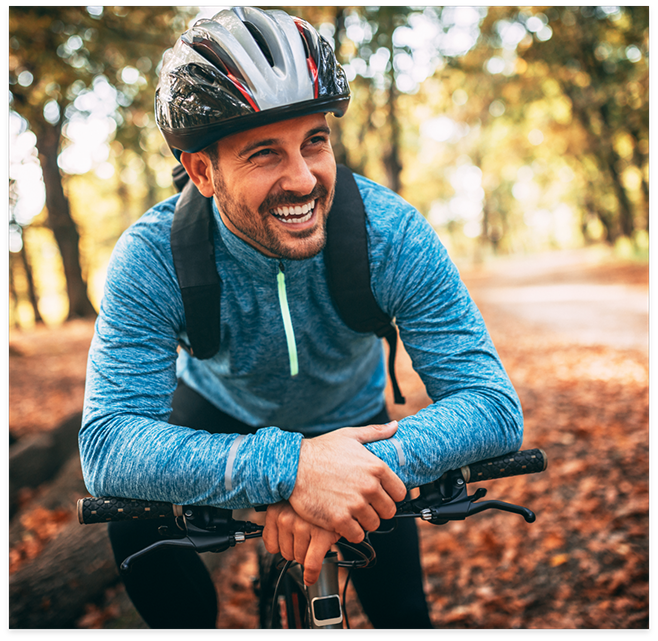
x=582, y=564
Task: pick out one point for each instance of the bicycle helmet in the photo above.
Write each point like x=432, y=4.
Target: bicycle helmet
x=245, y=68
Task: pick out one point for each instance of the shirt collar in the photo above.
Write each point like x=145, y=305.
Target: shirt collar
x=258, y=264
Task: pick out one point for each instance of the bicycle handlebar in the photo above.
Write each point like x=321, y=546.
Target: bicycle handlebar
x=103, y=509
x=515, y=464
x=204, y=528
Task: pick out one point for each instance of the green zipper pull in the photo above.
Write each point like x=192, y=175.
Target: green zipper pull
x=287, y=322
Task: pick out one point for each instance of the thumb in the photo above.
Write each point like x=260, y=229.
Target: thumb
x=371, y=433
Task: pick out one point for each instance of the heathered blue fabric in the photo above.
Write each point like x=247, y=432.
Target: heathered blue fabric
x=127, y=447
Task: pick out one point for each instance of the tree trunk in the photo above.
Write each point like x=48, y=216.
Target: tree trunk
x=603, y=150
x=392, y=156
x=73, y=570
x=36, y=458
x=392, y=163
x=13, y=294
x=61, y=223
x=613, y=160
x=340, y=151
x=31, y=290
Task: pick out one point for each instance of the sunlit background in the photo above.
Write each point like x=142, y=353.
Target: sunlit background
x=513, y=130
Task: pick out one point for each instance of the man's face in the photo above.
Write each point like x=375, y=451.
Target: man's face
x=274, y=186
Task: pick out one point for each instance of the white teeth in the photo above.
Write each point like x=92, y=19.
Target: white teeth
x=303, y=219
x=283, y=212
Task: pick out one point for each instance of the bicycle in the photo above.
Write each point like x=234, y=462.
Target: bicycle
x=284, y=600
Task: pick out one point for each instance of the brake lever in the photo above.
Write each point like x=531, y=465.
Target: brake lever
x=464, y=506
x=456, y=509
x=197, y=539
x=447, y=499
x=126, y=565
x=527, y=514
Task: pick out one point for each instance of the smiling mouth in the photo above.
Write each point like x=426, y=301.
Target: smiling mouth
x=294, y=213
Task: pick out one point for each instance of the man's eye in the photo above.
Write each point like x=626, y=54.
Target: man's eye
x=262, y=153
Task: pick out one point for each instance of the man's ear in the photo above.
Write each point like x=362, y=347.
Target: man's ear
x=199, y=168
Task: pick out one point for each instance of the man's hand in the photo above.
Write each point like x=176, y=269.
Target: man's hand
x=341, y=486
x=297, y=540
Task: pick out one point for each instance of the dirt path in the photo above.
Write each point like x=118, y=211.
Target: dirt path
x=573, y=294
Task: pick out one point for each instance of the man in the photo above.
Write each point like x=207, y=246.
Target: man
x=272, y=419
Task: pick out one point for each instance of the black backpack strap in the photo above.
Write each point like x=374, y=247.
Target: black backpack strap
x=179, y=177
x=193, y=251
x=348, y=269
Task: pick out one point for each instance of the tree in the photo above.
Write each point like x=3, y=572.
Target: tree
x=597, y=60
x=22, y=257
x=62, y=57
x=597, y=57
x=366, y=44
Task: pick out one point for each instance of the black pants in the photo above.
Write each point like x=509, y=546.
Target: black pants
x=171, y=588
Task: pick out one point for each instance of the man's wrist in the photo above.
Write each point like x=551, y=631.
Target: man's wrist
x=301, y=453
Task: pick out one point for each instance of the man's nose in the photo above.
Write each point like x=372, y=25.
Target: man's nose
x=297, y=176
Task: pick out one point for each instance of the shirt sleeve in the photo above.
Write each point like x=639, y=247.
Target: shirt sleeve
x=127, y=447
x=475, y=412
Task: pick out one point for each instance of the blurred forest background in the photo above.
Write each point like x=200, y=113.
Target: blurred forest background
x=521, y=133
x=512, y=130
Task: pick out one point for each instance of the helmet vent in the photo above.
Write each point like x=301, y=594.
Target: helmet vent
x=260, y=41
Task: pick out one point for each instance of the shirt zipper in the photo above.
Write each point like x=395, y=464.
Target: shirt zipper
x=287, y=322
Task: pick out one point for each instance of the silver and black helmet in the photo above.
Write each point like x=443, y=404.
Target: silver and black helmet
x=245, y=68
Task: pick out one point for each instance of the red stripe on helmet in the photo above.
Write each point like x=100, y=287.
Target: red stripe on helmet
x=243, y=90
x=313, y=68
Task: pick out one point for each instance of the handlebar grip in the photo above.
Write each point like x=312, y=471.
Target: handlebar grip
x=109, y=508
x=516, y=463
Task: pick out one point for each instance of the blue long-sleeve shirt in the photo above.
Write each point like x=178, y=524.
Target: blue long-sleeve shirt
x=127, y=447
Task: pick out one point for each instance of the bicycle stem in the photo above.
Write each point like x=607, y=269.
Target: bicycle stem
x=324, y=598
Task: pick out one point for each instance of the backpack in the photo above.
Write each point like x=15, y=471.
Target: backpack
x=345, y=255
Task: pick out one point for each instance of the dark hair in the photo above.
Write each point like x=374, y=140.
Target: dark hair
x=212, y=151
